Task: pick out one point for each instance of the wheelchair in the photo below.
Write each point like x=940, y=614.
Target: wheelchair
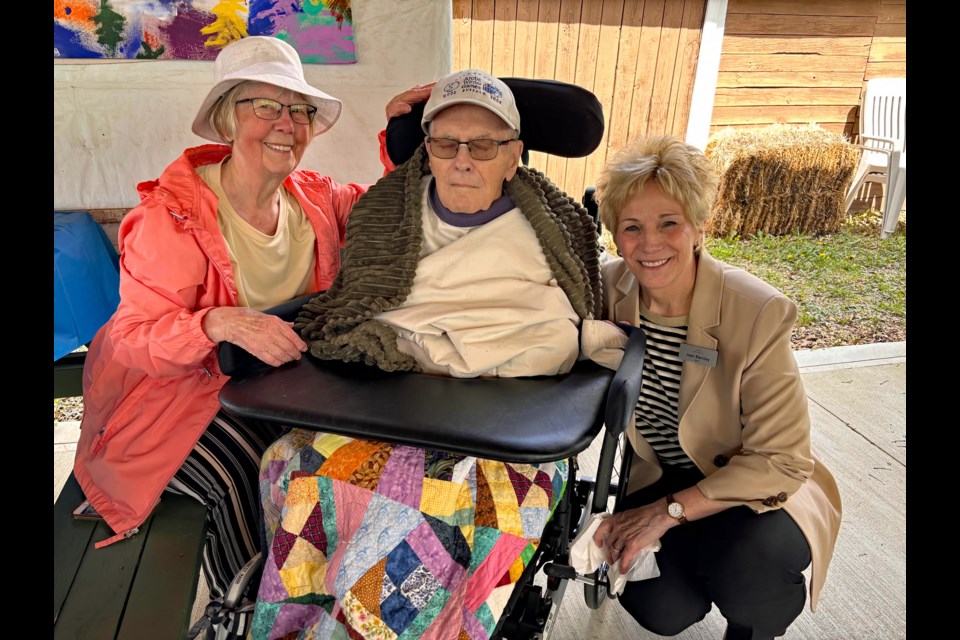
x=529, y=420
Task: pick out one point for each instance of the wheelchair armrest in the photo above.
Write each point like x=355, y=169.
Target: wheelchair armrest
x=624, y=389
x=237, y=361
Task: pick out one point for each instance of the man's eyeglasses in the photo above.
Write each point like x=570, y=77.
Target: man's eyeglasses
x=267, y=109
x=480, y=149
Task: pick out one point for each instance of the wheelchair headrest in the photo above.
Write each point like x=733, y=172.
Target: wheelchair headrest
x=557, y=118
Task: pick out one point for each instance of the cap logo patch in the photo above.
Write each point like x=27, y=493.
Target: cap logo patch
x=473, y=84
x=451, y=88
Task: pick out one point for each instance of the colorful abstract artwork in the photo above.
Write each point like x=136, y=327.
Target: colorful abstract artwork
x=320, y=30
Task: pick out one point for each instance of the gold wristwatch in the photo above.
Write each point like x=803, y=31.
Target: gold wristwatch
x=675, y=510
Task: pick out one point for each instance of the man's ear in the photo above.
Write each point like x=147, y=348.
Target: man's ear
x=516, y=150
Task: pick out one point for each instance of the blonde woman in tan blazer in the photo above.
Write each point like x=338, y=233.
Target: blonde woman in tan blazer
x=723, y=476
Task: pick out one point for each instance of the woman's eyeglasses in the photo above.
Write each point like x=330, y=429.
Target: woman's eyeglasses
x=267, y=109
x=480, y=148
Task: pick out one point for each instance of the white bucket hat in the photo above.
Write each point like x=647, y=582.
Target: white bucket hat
x=269, y=60
x=472, y=86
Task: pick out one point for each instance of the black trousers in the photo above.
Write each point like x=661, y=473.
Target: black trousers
x=748, y=564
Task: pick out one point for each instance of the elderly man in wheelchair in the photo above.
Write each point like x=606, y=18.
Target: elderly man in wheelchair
x=431, y=469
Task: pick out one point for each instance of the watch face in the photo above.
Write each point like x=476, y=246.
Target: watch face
x=675, y=509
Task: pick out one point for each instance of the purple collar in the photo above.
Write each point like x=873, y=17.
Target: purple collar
x=499, y=207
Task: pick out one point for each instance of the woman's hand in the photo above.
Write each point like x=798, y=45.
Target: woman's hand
x=265, y=336
x=403, y=103
x=625, y=534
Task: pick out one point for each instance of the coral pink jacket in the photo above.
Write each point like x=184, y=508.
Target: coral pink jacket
x=151, y=379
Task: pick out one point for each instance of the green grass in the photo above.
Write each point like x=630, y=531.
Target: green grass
x=849, y=286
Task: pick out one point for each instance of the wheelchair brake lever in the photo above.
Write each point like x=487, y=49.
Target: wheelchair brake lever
x=566, y=572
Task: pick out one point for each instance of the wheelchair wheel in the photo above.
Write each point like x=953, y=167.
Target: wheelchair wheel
x=595, y=594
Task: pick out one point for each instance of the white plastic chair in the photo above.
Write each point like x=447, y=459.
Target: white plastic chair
x=883, y=139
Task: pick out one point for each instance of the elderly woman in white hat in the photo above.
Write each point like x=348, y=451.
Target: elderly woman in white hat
x=226, y=231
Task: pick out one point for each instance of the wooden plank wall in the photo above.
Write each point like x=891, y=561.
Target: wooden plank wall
x=803, y=61
x=637, y=56
x=888, y=50
x=795, y=61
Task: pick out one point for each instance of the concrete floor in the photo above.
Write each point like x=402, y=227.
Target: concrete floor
x=858, y=410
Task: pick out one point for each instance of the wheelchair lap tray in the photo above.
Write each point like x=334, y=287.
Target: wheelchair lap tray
x=533, y=420
x=529, y=420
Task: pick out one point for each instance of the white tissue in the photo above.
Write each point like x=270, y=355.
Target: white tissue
x=586, y=556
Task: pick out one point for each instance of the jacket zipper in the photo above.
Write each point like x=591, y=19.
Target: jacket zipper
x=129, y=533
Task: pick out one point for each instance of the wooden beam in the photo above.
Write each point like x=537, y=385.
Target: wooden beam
x=588, y=46
x=797, y=25
x=843, y=128
x=548, y=26
x=545, y=59
x=660, y=104
x=803, y=114
x=684, y=72
x=892, y=14
x=788, y=96
x=644, y=86
x=805, y=63
x=107, y=216
x=759, y=45
x=567, y=42
x=807, y=7
x=481, y=36
x=891, y=30
x=888, y=50
x=525, y=47
x=603, y=86
x=886, y=70
x=788, y=79
x=462, y=20
x=617, y=129
x=504, y=37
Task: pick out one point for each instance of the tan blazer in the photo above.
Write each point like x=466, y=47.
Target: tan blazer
x=745, y=421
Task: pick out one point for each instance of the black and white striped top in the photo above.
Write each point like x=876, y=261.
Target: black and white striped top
x=657, y=408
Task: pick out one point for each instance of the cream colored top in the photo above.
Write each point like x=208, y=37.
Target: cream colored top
x=484, y=302
x=267, y=269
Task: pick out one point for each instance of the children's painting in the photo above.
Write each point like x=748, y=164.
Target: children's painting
x=320, y=30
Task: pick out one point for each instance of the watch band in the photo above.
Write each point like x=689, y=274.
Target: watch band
x=682, y=519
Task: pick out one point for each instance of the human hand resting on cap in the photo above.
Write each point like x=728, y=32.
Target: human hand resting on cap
x=403, y=102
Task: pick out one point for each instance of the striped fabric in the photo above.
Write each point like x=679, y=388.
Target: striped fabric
x=656, y=412
x=221, y=472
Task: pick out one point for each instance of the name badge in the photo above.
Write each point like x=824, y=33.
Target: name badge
x=699, y=355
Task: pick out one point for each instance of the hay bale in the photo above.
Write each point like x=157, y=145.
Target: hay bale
x=780, y=179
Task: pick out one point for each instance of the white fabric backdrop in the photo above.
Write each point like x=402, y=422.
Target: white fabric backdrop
x=117, y=123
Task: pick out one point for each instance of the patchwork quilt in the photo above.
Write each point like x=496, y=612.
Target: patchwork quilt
x=372, y=540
